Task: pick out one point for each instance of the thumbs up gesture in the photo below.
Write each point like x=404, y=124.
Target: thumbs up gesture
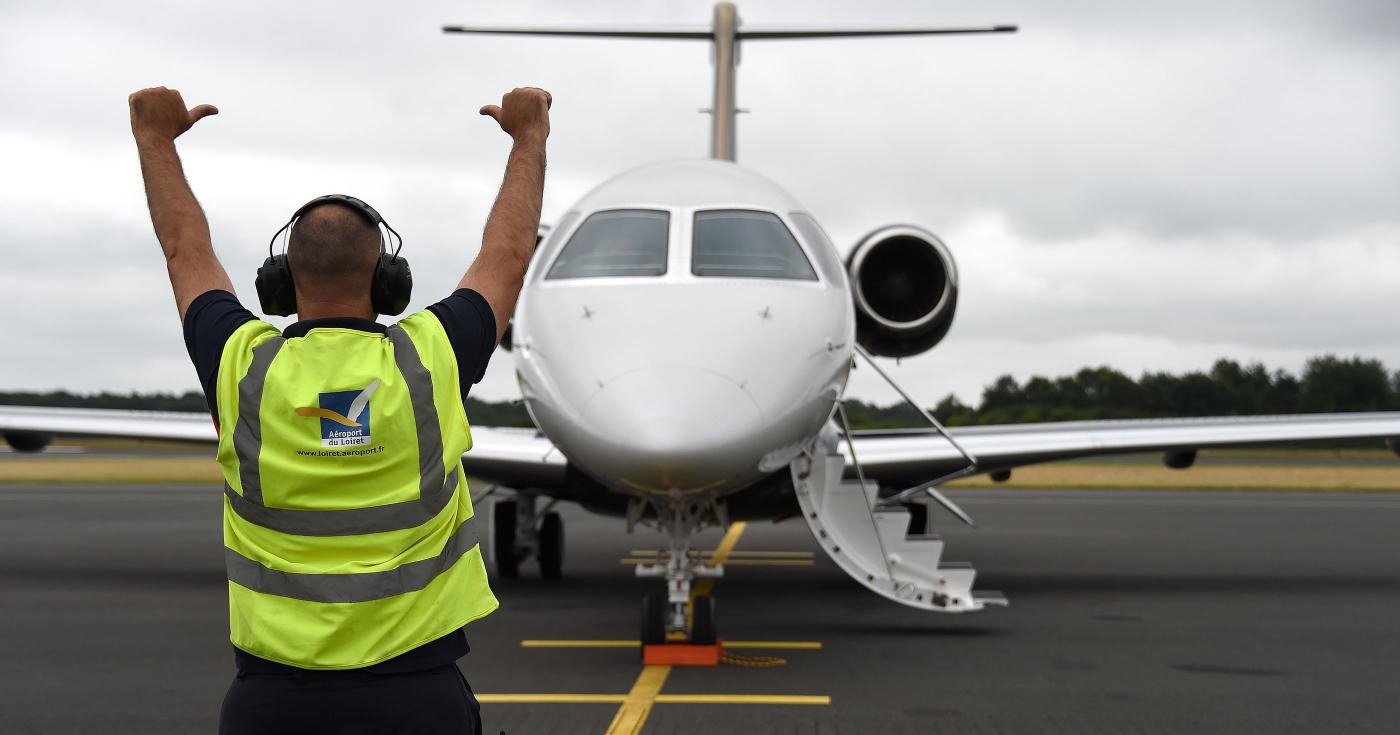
x=523, y=113
x=160, y=113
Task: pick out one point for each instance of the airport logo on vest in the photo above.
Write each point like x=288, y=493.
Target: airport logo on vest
x=344, y=416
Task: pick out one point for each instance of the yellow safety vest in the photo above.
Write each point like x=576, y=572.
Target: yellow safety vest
x=349, y=536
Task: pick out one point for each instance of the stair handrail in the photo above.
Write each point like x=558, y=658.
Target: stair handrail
x=970, y=468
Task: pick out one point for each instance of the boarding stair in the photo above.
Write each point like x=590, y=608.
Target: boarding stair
x=871, y=542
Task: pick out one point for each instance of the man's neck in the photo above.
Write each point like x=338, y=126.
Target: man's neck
x=330, y=309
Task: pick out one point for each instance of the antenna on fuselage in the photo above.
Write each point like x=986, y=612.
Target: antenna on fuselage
x=725, y=33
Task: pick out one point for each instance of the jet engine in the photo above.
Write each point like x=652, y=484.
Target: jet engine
x=905, y=286
x=27, y=441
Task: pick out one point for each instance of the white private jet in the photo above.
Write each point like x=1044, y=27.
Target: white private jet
x=683, y=342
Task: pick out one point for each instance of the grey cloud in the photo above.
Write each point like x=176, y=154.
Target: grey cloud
x=1226, y=146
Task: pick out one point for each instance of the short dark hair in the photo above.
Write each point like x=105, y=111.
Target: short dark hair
x=332, y=251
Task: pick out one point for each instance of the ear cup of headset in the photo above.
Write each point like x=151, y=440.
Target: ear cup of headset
x=392, y=285
x=276, y=292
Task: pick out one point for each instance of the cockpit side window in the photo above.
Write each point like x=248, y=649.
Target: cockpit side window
x=741, y=243
x=617, y=242
x=828, y=260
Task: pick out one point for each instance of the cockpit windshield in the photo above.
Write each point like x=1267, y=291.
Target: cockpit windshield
x=741, y=243
x=618, y=242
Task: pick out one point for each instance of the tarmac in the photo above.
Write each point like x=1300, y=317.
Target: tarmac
x=1131, y=612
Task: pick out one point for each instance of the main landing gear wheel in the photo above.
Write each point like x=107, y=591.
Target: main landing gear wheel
x=550, y=551
x=503, y=539
x=703, y=623
x=654, y=609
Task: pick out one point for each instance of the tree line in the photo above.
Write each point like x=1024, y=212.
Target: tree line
x=485, y=413
x=1327, y=384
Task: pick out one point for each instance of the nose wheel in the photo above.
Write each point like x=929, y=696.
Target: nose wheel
x=654, y=610
x=703, y=624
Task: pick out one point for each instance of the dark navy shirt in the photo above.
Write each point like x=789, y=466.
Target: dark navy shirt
x=471, y=328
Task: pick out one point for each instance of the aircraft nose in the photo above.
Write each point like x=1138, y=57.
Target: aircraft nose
x=689, y=426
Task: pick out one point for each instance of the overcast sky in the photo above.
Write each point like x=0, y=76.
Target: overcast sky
x=1144, y=185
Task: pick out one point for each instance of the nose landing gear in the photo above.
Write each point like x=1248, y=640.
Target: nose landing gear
x=674, y=612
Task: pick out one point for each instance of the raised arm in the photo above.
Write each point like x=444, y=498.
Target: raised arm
x=499, y=269
x=158, y=117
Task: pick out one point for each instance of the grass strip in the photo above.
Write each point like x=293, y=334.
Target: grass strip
x=1217, y=477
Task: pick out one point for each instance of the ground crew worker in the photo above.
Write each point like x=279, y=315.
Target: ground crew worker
x=351, y=546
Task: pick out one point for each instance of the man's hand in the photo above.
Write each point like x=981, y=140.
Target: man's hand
x=158, y=113
x=498, y=273
x=158, y=117
x=523, y=113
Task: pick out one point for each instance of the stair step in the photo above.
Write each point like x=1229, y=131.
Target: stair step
x=882, y=555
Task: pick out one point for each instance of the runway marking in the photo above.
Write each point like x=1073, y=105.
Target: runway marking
x=795, y=699
x=776, y=554
x=531, y=643
x=632, y=715
x=789, y=645
x=637, y=704
x=551, y=698
x=720, y=555
x=741, y=699
x=726, y=545
x=739, y=562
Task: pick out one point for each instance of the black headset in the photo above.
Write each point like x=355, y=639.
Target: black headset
x=388, y=291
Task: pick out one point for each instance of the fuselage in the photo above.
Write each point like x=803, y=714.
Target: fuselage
x=686, y=327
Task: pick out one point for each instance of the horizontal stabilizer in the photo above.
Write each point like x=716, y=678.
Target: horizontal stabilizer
x=768, y=34
x=693, y=32
x=700, y=33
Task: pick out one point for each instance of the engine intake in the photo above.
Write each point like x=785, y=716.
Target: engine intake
x=905, y=286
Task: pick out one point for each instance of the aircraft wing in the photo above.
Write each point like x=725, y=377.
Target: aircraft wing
x=909, y=457
x=514, y=457
x=518, y=458
x=105, y=422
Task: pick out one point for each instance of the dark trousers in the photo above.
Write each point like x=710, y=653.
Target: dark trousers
x=334, y=702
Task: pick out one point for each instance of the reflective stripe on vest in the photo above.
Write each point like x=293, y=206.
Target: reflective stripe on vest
x=435, y=492
x=348, y=521
x=362, y=587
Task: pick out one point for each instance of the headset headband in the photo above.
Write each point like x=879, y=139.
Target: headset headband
x=370, y=214
x=391, y=285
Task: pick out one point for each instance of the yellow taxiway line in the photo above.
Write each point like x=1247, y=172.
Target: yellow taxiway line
x=791, y=645
x=720, y=555
x=741, y=699
x=737, y=562
x=775, y=554
x=632, y=715
x=636, y=706
x=726, y=545
x=551, y=698
x=797, y=699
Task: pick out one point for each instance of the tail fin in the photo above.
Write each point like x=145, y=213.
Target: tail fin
x=725, y=34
